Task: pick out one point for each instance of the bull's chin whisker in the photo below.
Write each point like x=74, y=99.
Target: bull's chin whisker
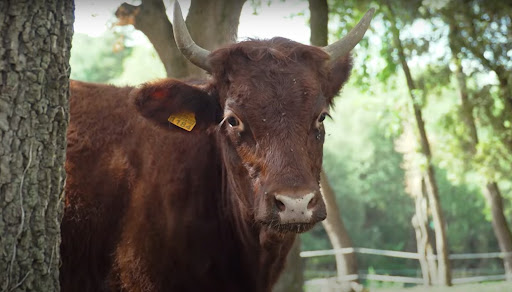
x=287, y=227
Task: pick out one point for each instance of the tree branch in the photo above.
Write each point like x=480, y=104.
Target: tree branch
x=151, y=19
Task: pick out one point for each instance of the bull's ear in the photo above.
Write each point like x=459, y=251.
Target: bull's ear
x=338, y=76
x=170, y=101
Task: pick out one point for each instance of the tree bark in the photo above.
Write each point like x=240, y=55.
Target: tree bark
x=444, y=273
x=490, y=189
x=211, y=23
x=34, y=70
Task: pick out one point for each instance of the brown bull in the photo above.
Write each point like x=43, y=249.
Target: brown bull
x=212, y=202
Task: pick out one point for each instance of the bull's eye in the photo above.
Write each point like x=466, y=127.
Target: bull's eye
x=321, y=117
x=233, y=121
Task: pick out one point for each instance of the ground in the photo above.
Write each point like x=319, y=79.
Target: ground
x=479, y=287
x=482, y=287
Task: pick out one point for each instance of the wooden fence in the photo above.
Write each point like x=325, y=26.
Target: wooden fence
x=407, y=255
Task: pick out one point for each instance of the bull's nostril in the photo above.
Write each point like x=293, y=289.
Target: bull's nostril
x=312, y=203
x=280, y=205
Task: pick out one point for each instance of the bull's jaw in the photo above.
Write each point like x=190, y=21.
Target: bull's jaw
x=270, y=235
x=288, y=228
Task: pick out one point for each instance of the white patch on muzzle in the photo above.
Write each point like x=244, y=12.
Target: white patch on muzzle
x=296, y=209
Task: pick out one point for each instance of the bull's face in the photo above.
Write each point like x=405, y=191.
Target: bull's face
x=267, y=102
x=275, y=127
x=275, y=96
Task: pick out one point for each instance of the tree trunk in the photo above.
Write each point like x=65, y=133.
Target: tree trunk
x=214, y=23
x=34, y=70
x=443, y=265
x=491, y=190
x=319, y=11
x=415, y=186
x=211, y=23
x=423, y=238
x=292, y=279
x=444, y=273
x=346, y=264
x=500, y=225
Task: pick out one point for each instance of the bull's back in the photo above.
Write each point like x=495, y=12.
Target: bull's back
x=99, y=178
x=127, y=180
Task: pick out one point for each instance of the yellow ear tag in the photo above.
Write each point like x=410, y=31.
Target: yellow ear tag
x=184, y=120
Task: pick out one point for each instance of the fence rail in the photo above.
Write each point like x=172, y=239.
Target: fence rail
x=408, y=255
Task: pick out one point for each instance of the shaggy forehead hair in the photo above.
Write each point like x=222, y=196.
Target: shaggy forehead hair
x=272, y=61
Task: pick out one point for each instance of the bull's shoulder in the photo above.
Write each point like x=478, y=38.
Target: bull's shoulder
x=99, y=113
x=87, y=95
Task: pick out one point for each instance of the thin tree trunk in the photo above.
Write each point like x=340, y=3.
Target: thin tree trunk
x=211, y=23
x=444, y=273
x=490, y=189
x=319, y=11
x=34, y=70
x=415, y=186
x=336, y=230
x=443, y=266
x=500, y=225
x=423, y=239
x=292, y=278
x=429, y=249
x=346, y=264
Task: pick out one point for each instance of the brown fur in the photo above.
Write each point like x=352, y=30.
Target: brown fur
x=151, y=207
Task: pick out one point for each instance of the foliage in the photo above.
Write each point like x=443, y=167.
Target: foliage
x=460, y=172
x=142, y=66
x=365, y=172
x=97, y=59
x=107, y=59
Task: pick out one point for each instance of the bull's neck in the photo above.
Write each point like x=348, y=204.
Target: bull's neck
x=255, y=243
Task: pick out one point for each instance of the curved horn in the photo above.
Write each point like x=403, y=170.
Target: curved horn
x=347, y=43
x=194, y=53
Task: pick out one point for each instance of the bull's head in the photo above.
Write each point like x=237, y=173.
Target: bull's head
x=267, y=101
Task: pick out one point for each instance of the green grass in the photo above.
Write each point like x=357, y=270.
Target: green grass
x=483, y=287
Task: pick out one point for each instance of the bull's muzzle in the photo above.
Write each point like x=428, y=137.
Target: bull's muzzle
x=305, y=208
